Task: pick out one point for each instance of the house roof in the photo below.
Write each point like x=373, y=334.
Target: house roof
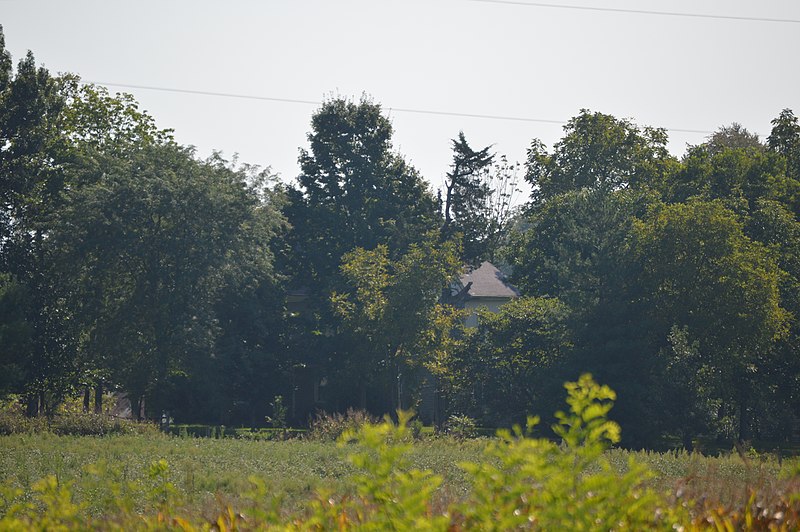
x=487, y=281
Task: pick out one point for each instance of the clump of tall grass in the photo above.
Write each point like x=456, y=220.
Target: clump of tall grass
x=325, y=426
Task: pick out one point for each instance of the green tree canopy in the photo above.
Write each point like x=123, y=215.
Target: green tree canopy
x=355, y=191
x=785, y=139
x=389, y=311
x=145, y=251
x=703, y=274
x=598, y=151
x=34, y=170
x=509, y=366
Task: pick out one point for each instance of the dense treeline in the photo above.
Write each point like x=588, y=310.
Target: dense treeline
x=207, y=289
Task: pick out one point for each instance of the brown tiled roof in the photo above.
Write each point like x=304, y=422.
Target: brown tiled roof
x=487, y=281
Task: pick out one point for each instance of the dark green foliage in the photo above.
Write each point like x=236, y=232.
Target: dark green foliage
x=466, y=199
x=479, y=201
x=149, y=249
x=785, y=140
x=354, y=191
x=598, y=152
x=15, y=334
x=740, y=176
x=126, y=262
x=734, y=136
x=124, y=254
x=711, y=356
x=389, y=316
x=576, y=247
x=34, y=168
x=700, y=268
x=508, y=366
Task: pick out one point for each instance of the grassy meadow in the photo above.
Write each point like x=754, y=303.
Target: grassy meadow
x=206, y=471
x=203, y=477
x=387, y=475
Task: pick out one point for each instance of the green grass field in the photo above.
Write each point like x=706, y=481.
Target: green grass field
x=380, y=477
x=206, y=470
x=207, y=473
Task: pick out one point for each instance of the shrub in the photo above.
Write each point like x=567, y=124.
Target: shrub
x=97, y=425
x=415, y=428
x=12, y=422
x=389, y=494
x=460, y=426
x=280, y=412
x=268, y=434
x=329, y=427
x=71, y=424
x=538, y=484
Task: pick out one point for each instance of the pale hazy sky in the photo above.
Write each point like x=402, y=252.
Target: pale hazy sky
x=459, y=56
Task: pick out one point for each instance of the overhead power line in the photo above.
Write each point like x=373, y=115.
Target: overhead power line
x=397, y=109
x=639, y=11
x=203, y=93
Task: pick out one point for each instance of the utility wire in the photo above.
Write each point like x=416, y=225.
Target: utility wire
x=638, y=11
x=398, y=109
x=204, y=93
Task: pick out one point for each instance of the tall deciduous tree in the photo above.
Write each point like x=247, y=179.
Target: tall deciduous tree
x=706, y=276
x=389, y=310
x=576, y=247
x=738, y=176
x=598, y=151
x=355, y=191
x=33, y=172
x=146, y=249
x=785, y=139
x=509, y=366
x=734, y=136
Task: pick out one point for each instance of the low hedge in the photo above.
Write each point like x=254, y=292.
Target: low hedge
x=82, y=424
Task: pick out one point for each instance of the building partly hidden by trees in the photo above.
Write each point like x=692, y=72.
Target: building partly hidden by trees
x=206, y=289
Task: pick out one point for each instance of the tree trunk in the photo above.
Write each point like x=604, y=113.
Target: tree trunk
x=136, y=407
x=688, y=444
x=98, y=398
x=448, y=201
x=398, y=382
x=87, y=398
x=32, y=405
x=744, y=419
x=43, y=406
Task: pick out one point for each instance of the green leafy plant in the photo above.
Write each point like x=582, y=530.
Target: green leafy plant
x=280, y=413
x=460, y=426
x=390, y=494
x=538, y=484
